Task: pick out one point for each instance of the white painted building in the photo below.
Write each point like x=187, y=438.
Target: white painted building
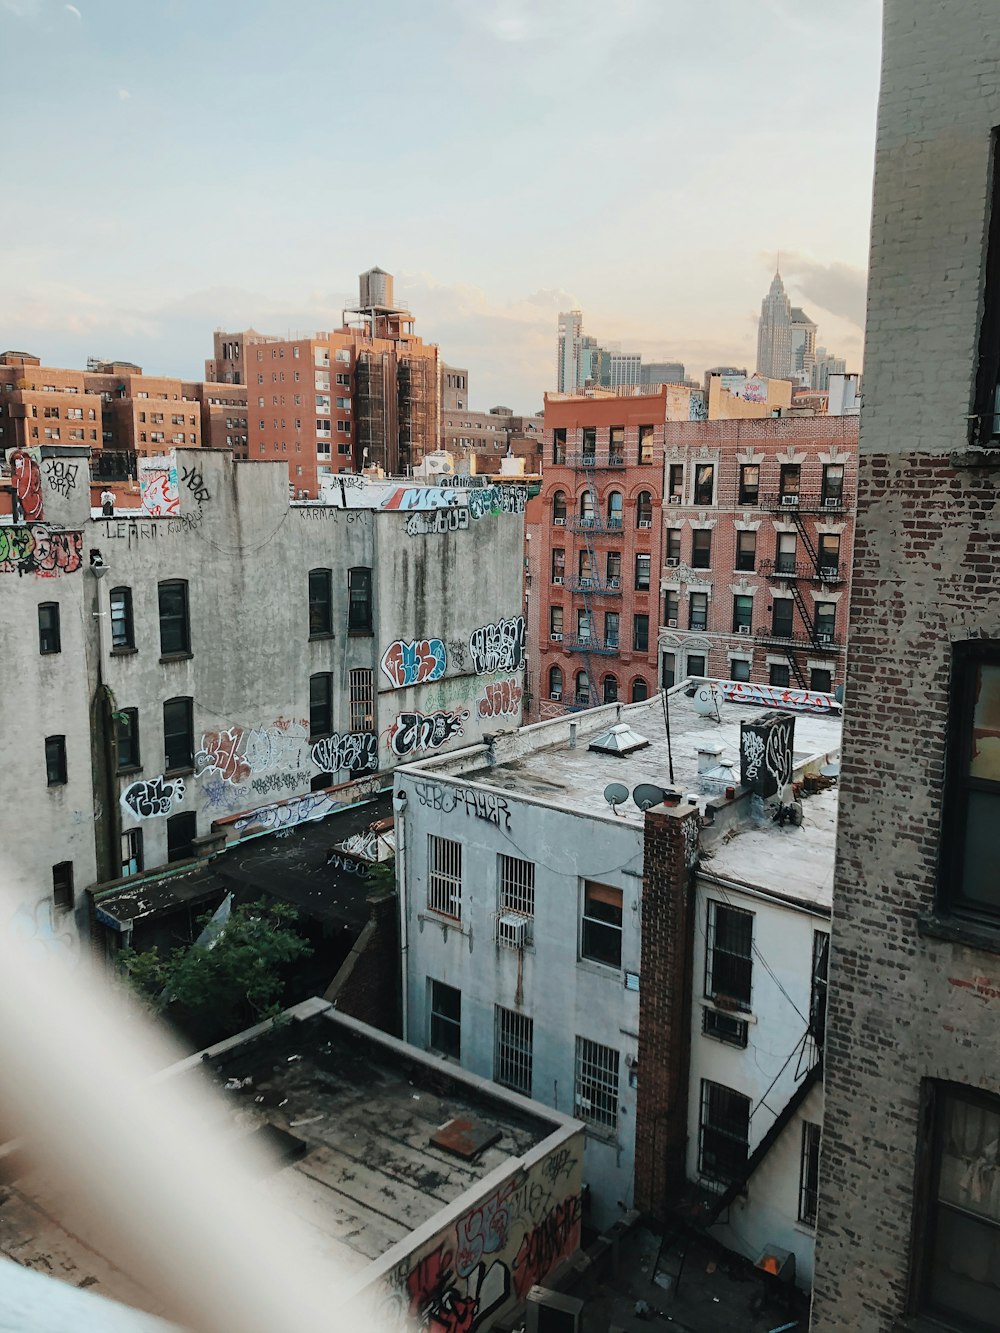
x=522, y=899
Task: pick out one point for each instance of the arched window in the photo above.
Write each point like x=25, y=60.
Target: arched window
x=582, y=689
x=587, y=506
x=616, y=508
x=559, y=508
x=555, y=683
x=640, y=690
x=610, y=684
x=644, y=510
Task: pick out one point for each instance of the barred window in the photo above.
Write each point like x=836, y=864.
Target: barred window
x=362, y=699
x=444, y=876
x=517, y=885
x=596, y=1098
x=512, y=1052
x=723, y=1132
x=729, y=954
x=809, y=1173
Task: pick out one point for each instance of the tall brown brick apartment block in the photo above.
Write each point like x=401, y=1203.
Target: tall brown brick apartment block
x=909, y=1216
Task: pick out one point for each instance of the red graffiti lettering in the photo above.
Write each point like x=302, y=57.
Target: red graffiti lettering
x=503, y=699
x=27, y=486
x=223, y=751
x=554, y=1238
x=435, y=1303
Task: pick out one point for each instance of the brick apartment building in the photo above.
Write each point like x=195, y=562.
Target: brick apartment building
x=481, y=438
x=732, y=537
x=113, y=407
x=364, y=395
x=909, y=1232
x=594, y=551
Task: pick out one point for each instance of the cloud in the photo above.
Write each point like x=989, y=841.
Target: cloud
x=839, y=288
x=124, y=95
x=72, y=9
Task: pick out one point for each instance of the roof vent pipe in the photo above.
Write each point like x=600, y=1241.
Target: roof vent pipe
x=572, y=735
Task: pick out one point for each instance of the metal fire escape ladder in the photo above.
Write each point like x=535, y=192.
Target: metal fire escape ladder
x=800, y=602
x=807, y=541
x=588, y=604
x=793, y=662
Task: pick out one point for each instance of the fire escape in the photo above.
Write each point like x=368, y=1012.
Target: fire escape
x=795, y=505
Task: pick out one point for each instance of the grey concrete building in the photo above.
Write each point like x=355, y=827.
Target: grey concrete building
x=774, y=332
x=909, y=1234
x=222, y=663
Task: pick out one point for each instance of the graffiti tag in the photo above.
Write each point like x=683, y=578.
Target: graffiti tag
x=553, y=1238
x=413, y=732
x=27, y=477
x=237, y=753
x=195, y=483
x=61, y=476
x=498, y=647
x=354, y=750
x=415, y=663
x=440, y=520
x=41, y=552
x=497, y=500
x=503, y=699
x=479, y=804
x=158, y=486
x=157, y=796
x=420, y=497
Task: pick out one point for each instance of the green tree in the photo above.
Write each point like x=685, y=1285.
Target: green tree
x=214, y=989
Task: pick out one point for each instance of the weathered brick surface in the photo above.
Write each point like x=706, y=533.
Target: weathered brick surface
x=903, y=1006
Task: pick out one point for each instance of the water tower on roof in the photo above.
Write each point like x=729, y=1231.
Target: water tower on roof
x=376, y=290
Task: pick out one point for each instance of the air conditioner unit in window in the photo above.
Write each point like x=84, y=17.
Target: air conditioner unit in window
x=556, y=695
x=557, y=579
x=586, y=583
x=672, y=561
x=614, y=583
x=743, y=629
x=675, y=499
x=832, y=502
x=829, y=572
x=556, y=638
x=789, y=500
x=824, y=638
x=559, y=522
x=671, y=624
x=512, y=930
x=645, y=523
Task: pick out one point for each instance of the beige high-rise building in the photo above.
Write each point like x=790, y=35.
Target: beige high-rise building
x=774, y=332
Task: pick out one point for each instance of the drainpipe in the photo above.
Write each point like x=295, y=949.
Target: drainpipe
x=399, y=809
x=107, y=826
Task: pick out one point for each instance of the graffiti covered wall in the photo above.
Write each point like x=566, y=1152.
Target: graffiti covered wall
x=483, y=1264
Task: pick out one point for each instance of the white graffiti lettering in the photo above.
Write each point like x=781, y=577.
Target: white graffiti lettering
x=354, y=750
x=158, y=796
x=498, y=647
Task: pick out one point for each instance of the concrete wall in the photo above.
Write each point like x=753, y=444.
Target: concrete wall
x=907, y=1003
x=565, y=995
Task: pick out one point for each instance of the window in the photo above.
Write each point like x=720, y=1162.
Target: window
x=826, y=621
x=818, y=989
x=642, y=563
x=584, y=625
x=958, y=1235
x=127, y=738
x=616, y=444
x=644, y=510
x=673, y=546
x=612, y=629
x=668, y=670
x=785, y=553
x=696, y=664
x=516, y=885
x=749, y=484
x=609, y=689
x=829, y=553
x=701, y=548
x=614, y=567
x=746, y=550
x=62, y=886
x=320, y=603
x=742, y=612
x=362, y=689
x=444, y=876
x=739, y=668
x=833, y=484
x=446, y=1020
x=821, y=680
x=558, y=564
x=645, y=444
x=589, y=443
x=131, y=852
x=182, y=830
x=616, y=509
x=359, y=613
x=698, y=610
x=559, y=508
x=175, y=630
x=178, y=734
x=596, y=1092
x=723, y=1132
x=55, y=760
x=704, y=483
x=779, y=675
x=781, y=618
x=640, y=634
x=640, y=690
x=555, y=623
x=559, y=445
x=601, y=937
x=675, y=488
x=320, y=704
x=969, y=883
x=729, y=955
x=582, y=690
x=790, y=479
x=809, y=1173
x=555, y=683
x=49, y=640
x=512, y=1050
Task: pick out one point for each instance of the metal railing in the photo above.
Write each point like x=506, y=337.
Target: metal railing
x=592, y=644
x=596, y=587
x=595, y=524
x=805, y=502
x=778, y=569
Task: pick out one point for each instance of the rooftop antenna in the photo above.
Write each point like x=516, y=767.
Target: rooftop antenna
x=615, y=793
x=666, y=724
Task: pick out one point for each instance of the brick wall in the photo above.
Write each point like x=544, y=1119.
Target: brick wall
x=669, y=858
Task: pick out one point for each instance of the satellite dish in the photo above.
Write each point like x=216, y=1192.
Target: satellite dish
x=831, y=770
x=706, y=701
x=615, y=793
x=646, y=795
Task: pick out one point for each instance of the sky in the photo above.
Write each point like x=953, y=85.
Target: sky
x=176, y=166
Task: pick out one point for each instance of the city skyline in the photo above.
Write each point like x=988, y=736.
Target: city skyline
x=243, y=196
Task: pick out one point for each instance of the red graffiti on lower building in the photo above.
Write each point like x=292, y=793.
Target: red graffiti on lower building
x=555, y=1237
x=435, y=1303
x=503, y=699
x=27, y=477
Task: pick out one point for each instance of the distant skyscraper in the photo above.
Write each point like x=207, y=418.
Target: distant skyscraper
x=662, y=372
x=826, y=365
x=803, y=346
x=774, y=333
x=568, y=368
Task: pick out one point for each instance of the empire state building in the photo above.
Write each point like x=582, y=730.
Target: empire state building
x=774, y=333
